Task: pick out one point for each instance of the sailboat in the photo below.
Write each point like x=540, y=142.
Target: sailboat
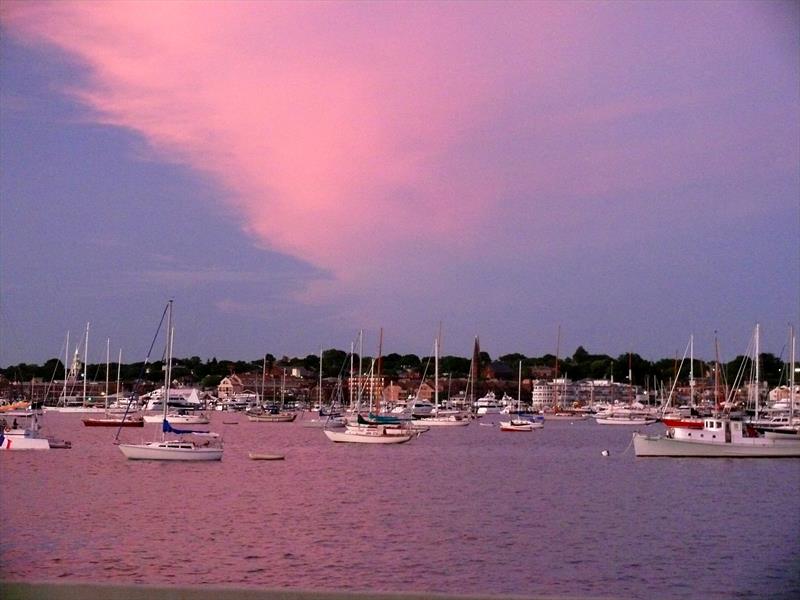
x=114, y=419
x=72, y=403
x=439, y=419
x=518, y=423
x=272, y=413
x=179, y=448
x=374, y=428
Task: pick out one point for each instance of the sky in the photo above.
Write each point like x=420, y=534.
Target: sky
x=292, y=173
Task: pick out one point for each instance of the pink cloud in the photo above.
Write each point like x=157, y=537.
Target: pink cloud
x=327, y=124
x=346, y=134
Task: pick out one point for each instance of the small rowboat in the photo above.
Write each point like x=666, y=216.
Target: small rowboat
x=262, y=456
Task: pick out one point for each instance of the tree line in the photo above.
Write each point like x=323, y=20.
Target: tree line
x=581, y=365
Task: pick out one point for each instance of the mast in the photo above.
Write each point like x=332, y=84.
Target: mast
x=283, y=387
x=320, y=377
x=630, y=378
x=108, y=363
x=360, y=365
x=555, y=380
x=758, y=391
x=436, y=373
x=716, y=372
x=691, y=369
x=119, y=372
x=66, y=360
x=519, y=388
x=85, y=362
x=379, y=384
x=791, y=378
x=475, y=368
x=263, y=380
x=352, y=349
x=165, y=399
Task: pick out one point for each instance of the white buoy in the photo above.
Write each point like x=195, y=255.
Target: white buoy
x=605, y=453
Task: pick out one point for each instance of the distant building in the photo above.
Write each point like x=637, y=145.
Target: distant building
x=229, y=387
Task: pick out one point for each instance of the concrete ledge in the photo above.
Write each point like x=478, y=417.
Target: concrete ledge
x=97, y=591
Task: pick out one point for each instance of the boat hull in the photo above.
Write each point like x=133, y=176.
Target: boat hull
x=21, y=442
x=565, y=417
x=179, y=419
x=114, y=422
x=685, y=423
x=523, y=426
x=624, y=421
x=268, y=418
x=74, y=409
x=158, y=451
x=444, y=422
x=364, y=437
x=662, y=446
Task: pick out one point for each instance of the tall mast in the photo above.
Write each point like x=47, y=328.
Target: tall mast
x=691, y=369
x=436, y=373
x=165, y=399
x=475, y=367
x=791, y=378
x=85, y=361
x=379, y=384
x=352, y=349
x=630, y=378
x=119, y=372
x=555, y=380
x=758, y=391
x=263, y=380
x=519, y=387
x=108, y=364
x=320, y=377
x=716, y=371
x=283, y=387
x=360, y=364
x=66, y=360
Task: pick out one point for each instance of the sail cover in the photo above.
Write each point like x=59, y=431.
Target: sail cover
x=167, y=428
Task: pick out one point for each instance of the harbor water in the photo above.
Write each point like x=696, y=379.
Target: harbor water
x=458, y=510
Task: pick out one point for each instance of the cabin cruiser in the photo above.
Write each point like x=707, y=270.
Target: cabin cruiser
x=719, y=437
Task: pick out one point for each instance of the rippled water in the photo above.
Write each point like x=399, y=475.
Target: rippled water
x=458, y=510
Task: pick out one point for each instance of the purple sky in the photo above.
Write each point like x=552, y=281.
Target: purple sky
x=292, y=173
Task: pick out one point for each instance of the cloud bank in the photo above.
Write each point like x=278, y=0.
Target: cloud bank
x=367, y=138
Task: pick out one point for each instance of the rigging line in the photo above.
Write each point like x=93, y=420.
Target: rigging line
x=141, y=370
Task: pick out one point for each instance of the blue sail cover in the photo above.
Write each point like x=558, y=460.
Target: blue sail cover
x=167, y=428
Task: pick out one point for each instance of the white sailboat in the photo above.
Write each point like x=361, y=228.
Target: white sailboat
x=438, y=419
x=176, y=448
x=518, y=423
x=374, y=428
x=72, y=403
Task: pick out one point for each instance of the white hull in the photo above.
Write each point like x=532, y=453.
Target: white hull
x=648, y=446
x=623, y=421
x=448, y=421
x=564, y=417
x=337, y=422
x=367, y=436
x=178, y=419
x=74, y=409
x=170, y=451
x=273, y=418
x=19, y=441
x=520, y=425
x=489, y=410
